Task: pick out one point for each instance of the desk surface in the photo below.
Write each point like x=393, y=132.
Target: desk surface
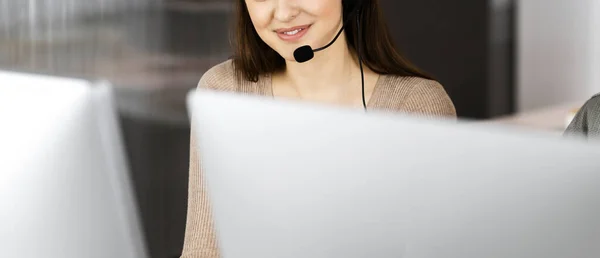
x=554, y=118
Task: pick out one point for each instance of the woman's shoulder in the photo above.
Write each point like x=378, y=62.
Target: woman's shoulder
x=412, y=84
x=418, y=95
x=224, y=77
x=220, y=77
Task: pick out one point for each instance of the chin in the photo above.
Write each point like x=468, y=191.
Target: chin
x=287, y=54
x=289, y=58
x=287, y=50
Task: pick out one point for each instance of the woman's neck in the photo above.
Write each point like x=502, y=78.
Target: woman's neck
x=330, y=70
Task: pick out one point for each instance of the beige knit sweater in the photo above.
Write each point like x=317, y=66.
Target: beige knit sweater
x=391, y=93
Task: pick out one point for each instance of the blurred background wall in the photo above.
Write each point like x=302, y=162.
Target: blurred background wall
x=596, y=46
x=494, y=57
x=467, y=45
x=558, y=52
x=44, y=11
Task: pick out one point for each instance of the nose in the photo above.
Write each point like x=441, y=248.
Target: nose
x=286, y=10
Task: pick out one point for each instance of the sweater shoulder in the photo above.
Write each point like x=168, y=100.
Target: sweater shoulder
x=417, y=95
x=220, y=77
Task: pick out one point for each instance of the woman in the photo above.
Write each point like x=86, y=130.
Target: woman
x=268, y=33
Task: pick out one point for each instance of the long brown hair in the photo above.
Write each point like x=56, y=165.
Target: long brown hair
x=253, y=57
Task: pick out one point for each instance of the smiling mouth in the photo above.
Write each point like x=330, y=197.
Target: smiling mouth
x=292, y=34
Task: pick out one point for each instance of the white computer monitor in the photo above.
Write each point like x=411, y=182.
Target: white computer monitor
x=65, y=190
x=291, y=179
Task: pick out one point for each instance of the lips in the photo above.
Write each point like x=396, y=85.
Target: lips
x=292, y=34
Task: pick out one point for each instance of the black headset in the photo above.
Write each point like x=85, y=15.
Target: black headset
x=306, y=53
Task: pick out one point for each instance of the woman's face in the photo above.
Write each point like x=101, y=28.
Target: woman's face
x=286, y=25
